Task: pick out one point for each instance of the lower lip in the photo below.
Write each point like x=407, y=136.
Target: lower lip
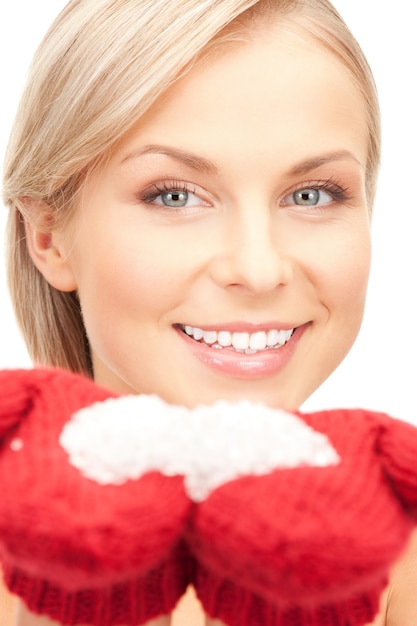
x=237, y=365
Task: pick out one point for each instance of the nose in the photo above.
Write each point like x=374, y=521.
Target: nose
x=252, y=257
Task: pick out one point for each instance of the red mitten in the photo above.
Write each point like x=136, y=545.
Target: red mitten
x=76, y=550
x=397, y=448
x=310, y=544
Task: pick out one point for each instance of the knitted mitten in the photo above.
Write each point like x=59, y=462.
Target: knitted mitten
x=308, y=546
x=75, y=550
x=297, y=520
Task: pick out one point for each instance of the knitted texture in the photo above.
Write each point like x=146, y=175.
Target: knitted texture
x=236, y=606
x=130, y=602
x=292, y=546
x=74, y=550
x=310, y=546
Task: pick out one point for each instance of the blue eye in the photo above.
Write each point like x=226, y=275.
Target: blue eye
x=174, y=198
x=317, y=194
x=310, y=197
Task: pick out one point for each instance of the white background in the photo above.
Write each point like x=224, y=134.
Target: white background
x=380, y=372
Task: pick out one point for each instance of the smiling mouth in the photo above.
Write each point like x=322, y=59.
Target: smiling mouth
x=242, y=342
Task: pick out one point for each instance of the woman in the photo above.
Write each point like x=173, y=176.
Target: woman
x=190, y=189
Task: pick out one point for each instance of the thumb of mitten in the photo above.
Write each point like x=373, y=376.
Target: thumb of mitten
x=16, y=398
x=397, y=446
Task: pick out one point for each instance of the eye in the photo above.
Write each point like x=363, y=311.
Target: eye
x=320, y=193
x=173, y=195
x=177, y=199
x=308, y=196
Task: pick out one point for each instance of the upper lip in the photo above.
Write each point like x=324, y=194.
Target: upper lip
x=242, y=327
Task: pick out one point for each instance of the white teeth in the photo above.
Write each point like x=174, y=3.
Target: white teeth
x=244, y=342
x=198, y=334
x=272, y=337
x=257, y=341
x=240, y=341
x=209, y=336
x=284, y=336
x=224, y=338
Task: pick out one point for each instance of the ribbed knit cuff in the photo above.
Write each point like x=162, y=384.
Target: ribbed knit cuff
x=226, y=600
x=131, y=602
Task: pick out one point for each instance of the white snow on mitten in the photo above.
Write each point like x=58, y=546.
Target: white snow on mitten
x=123, y=438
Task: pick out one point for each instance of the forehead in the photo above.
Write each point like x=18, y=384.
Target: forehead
x=279, y=87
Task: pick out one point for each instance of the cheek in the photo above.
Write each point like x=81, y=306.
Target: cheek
x=339, y=280
x=345, y=271
x=136, y=277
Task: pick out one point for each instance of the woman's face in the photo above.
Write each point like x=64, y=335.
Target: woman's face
x=223, y=251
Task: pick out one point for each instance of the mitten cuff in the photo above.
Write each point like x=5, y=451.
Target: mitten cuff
x=135, y=601
x=227, y=601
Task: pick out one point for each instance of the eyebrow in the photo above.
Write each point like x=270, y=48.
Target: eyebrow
x=206, y=166
x=315, y=162
x=189, y=159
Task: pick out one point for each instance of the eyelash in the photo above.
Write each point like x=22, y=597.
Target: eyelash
x=157, y=189
x=338, y=192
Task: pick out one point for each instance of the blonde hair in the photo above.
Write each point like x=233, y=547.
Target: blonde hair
x=101, y=66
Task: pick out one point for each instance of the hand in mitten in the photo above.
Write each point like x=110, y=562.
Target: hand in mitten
x=72, y=548
x=297, y=520
x=310, y=544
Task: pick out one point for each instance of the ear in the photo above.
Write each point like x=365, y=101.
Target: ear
x=48, y=250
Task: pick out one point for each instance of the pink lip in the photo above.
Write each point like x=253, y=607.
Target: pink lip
x=239, y=365
x=246, y=327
